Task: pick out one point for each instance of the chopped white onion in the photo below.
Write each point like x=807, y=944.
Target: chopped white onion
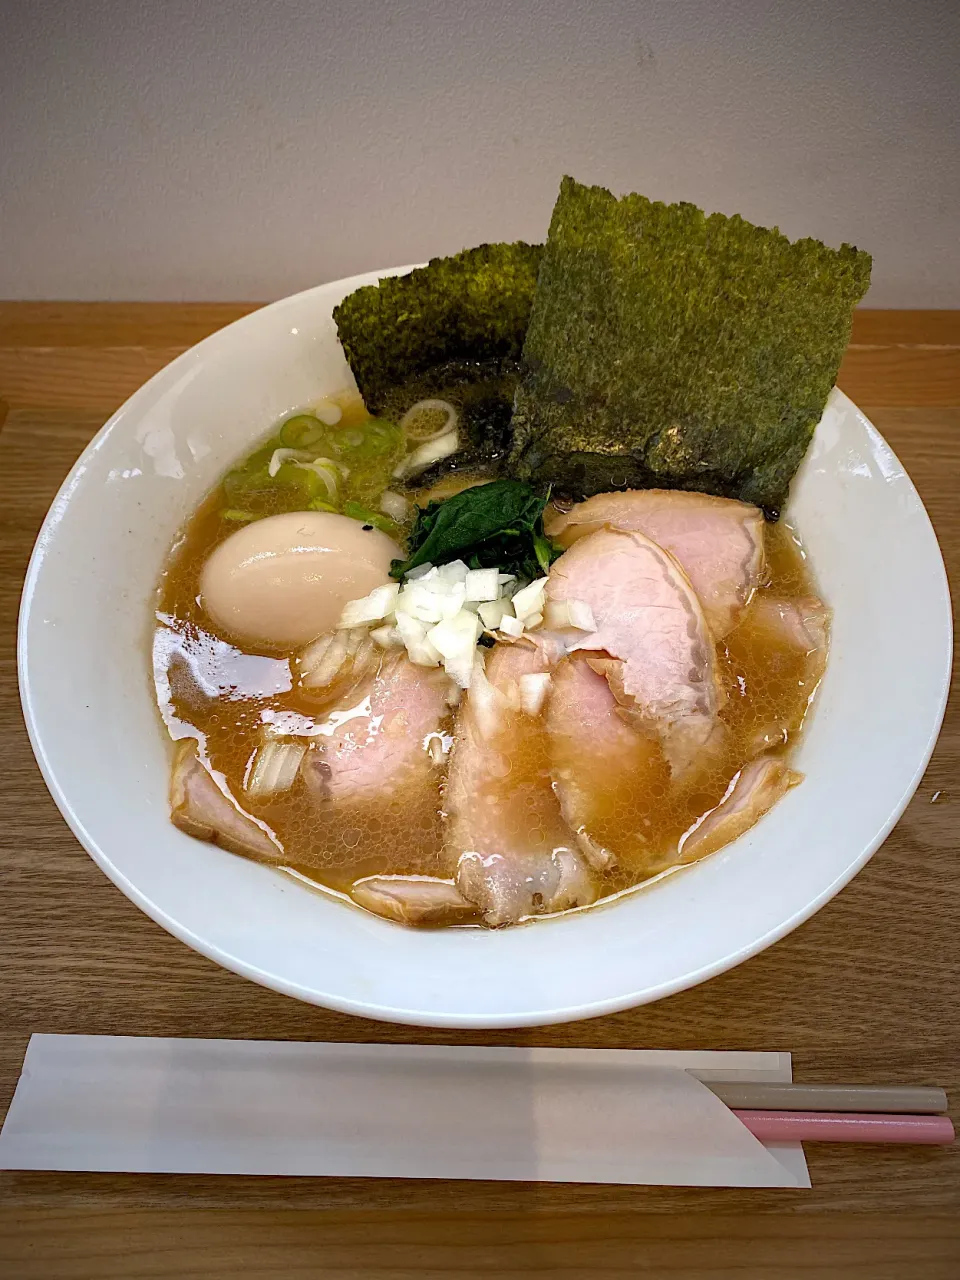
x=387, y=637
x=396, y=506
x=452, y=602
x=529, y=599
x=493, y=611
x=328, y=412
x=453, y=571
x=455, y=639
x=326, y=671
x=418, y=601
x=429, y=453
x=534, y=688
x=412, y=631
x=275, y=768
x=482, y=584
x=429, y=406
x=355, y=638
x=379, y=604
x=320, y=663
x=366, y=655
x=438, y=615
x=421, y=571
x=455, y=635
x=347, y=652
x=455, y=693
x=414, y=635
x=488, y=704
x=560, y=614
x=424, y=654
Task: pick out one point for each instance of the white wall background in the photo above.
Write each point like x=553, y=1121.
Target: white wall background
x=243, y=149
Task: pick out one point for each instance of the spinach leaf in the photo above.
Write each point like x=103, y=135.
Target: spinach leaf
x=493, y=525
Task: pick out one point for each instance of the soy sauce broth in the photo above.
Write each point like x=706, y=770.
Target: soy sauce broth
x=212, y=690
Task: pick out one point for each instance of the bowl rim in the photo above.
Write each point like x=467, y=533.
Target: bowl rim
x=374, y=1010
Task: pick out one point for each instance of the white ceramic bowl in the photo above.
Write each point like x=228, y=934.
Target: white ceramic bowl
x=89, y=706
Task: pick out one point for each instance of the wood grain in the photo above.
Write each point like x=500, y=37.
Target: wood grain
x=276, y=1246
x=94, y=355
x=868, y=990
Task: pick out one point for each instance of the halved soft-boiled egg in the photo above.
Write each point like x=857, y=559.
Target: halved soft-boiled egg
x=281, y=581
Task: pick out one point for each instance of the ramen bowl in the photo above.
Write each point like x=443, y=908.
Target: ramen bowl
x=88, y=698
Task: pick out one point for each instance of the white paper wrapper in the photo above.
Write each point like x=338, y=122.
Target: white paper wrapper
x=113, y=1103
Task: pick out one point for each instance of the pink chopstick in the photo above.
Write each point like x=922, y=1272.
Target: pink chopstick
x=840, y=1126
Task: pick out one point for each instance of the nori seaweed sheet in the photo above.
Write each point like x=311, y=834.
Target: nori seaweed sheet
x=483, y=392
x=473, y=306
x=668, y=348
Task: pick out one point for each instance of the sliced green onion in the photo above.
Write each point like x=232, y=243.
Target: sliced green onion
x=349, y=438
x=327, y=472
x=303, y=431
x=428, y=419
x=241, y=517
x=356, y=511
x=280, y=456
x=372, y=439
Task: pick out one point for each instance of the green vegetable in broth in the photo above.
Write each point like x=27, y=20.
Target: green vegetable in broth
x=497, y=525
x=473, y=306
x=321, y=468
x=375, y=439
x=356, y=511
x=304, y=431
x=670, y=348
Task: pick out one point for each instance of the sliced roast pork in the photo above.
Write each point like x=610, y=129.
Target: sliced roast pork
x=601, y=766
x=650, y=623
x=756, y=789
x=201, y=808
x=413, y=899
x=788, y=640
x=716, y=541
x=515, y=856
x=380, y=746
x=794, y=624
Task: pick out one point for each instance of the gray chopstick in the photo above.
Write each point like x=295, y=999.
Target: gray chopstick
x=894, y=1099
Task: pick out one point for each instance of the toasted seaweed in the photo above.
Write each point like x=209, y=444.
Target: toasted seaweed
x=482, y=391
x=472, y=307
x=669, y=348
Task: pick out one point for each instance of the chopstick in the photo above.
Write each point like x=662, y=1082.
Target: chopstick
x=838, y=1112
x=814, y=1126
x=902, y=1099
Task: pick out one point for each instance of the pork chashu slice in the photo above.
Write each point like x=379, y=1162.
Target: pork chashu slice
x=752, y=793
x=651, y=626
x=201, y=807
x=515, y=856
x=718, y=542
x=601, y=765
x=379, y=745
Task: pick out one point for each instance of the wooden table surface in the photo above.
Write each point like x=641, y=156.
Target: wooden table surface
x=868, y=990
